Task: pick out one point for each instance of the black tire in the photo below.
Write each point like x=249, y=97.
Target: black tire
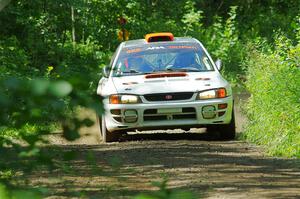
x=227, y=131
x=211, y=128
x=105, y=134
x=99, y=121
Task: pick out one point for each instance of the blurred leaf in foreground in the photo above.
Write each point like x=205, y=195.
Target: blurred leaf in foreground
x=60, y=88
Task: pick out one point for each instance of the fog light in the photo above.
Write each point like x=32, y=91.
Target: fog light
x=209, y=112
x=130, y=116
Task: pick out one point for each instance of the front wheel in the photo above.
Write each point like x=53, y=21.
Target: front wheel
x=105, y=134
x=227, y=131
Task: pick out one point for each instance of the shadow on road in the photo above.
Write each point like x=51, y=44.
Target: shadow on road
x=170, y=136
x=225, y=169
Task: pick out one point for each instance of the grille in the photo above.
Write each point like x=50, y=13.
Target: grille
x=168, y=96
x=153, y=115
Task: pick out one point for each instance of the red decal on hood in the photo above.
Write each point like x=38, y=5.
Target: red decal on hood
x=160, y=75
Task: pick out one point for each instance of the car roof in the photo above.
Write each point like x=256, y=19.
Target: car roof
x=140, y=42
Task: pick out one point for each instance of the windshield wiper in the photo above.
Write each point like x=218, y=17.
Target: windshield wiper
x=131, y=71
x=184, y=69
x=154, y=71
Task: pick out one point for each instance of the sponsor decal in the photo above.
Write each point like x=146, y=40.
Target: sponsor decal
x=155, y=48
x=135, y=50
x=182, y=47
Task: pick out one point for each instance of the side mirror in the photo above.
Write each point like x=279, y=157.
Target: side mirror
x=105, y=71
x=219, y=64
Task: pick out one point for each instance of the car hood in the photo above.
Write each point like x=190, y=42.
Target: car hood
x=191, y=82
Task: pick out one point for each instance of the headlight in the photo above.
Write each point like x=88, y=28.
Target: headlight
x=212, y=94
x=124, y=99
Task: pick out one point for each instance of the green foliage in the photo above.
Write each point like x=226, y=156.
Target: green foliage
x=192, y=18
x=10, y=49
x=226, y=37
x=296, y=26
x=223, y=40
x=43, y=80
x=274, y=106
x=46, y=73
x=28, y=107
x=7, y=193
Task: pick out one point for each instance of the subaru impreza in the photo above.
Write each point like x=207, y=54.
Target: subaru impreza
x=164, y=82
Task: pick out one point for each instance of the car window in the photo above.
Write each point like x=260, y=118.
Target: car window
x=113, y=59
x=187, y=57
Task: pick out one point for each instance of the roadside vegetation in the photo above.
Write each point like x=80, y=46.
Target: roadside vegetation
x=51, y=55
x=274, y=106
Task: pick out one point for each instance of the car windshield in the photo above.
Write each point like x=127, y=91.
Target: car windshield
x=162, y=57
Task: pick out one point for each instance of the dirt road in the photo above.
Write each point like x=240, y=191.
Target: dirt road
x=192, y=161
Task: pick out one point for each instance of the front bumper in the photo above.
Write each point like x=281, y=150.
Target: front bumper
x=162, y=115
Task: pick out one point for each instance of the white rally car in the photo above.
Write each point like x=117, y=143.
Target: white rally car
x=164, y=82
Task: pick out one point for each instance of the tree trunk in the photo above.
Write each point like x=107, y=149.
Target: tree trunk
x=73, y=27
